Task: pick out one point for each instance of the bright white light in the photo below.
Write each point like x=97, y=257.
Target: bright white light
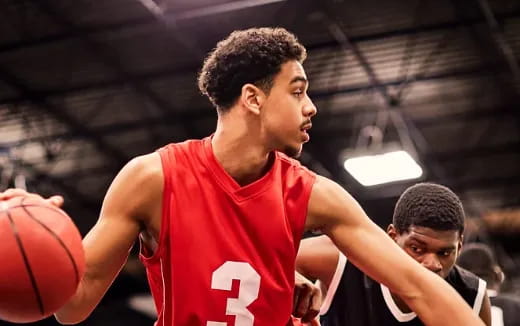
x=383, y=168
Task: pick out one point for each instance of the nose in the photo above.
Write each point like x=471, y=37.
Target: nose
x=431, y=262
x=310, y=109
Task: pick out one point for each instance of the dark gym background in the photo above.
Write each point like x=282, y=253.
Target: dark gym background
x=85, y=85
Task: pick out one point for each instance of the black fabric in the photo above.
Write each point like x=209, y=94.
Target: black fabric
x=510, y=307
x=359, y=300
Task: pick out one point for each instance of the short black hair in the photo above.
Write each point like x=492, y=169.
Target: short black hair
x=429, y=205
x=479, y=259
x=249, y=56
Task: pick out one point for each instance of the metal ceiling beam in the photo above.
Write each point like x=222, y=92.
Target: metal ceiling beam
x=61, y=115
x=461, y=72
x=485, y=182
x=143, y=22
x=114, y=129
x=426, y=28
x=410, y=137
x=320, y=125
x=166, y=72
x=500, y=41
x=315, y=95
x=496, y=113
x=507, y=148
x=492, y=42
x=498, y=51
x=511, y=148
x=102, y=52
x=459, y=186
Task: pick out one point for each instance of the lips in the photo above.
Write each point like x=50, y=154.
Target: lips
x=306, y=127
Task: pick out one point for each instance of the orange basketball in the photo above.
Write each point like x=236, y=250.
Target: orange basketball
x=42, y=259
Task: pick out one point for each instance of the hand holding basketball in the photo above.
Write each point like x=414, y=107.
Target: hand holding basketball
x=14, y=192
x=43, y=258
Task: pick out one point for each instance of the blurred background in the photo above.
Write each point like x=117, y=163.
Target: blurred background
x=86, y=85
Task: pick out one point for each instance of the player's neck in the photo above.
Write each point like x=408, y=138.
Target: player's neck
x=240, y=152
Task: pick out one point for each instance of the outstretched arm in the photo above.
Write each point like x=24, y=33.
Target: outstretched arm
x=338, y=215
x=317, y=260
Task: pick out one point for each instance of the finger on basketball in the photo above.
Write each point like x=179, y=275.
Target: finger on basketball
x=12, y=192
x=55, y=200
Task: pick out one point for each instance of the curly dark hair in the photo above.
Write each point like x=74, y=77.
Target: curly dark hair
x=249, y=56
x=429, y=205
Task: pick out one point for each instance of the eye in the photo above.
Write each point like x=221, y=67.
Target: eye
x=445, y=253
x=416, y=249
x=298, y=93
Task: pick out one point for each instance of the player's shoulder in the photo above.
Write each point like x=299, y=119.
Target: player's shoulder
x=187, y=145
x=293, y=172
x=463, y=274
x=287, y=161
x=145, y=168
x=462, y=279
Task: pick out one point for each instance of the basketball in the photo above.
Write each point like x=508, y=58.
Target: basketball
x=42, y=259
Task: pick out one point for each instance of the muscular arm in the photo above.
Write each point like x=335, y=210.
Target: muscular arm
x=317, y=260
x=133, y=197
x=338, y=215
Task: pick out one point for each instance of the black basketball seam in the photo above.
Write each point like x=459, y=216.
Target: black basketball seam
x=26, y=262
x=62, y=244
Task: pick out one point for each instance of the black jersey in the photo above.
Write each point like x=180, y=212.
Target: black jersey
x=355, y=299
x=505, y=310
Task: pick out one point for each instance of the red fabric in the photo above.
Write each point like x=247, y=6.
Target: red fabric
x=211, y=223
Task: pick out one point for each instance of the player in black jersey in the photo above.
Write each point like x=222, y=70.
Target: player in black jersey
x=428, y=224
x=479, y=258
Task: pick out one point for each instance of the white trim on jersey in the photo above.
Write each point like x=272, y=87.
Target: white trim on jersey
x=163, y=309
x=404, y=317
x=477, y=305
x=394, y=309
x=331, y=291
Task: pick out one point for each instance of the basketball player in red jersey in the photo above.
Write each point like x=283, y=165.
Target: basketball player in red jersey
x=220, y=219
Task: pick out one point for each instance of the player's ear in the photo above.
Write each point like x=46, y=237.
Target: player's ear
x=459, y=245
x=392, y=232
x=252, y=98
x=499, y=274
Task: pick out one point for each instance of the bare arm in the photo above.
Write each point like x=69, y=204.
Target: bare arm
x=317, y=259
x=131, y=199
x=485, y=310
x=338, y=215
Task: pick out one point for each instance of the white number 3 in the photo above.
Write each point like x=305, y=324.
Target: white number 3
x=222, y=279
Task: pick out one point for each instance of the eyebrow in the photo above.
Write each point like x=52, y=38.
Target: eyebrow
x=447, y=248
x=299, y=79
x=425, y=244
x=417, y=240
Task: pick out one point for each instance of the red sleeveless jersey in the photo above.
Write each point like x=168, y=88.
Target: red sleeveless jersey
x=226, y=253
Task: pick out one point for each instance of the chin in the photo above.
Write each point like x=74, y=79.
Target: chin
x=292, y=151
